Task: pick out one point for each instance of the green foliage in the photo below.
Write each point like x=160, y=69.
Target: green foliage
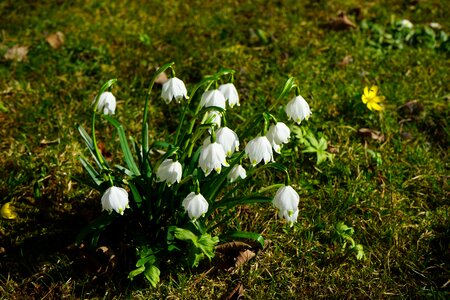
x=344, y=234
x=309, y=141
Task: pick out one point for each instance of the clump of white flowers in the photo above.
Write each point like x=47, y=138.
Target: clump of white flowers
x=205, y=153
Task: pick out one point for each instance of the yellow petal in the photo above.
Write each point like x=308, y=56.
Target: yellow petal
x=364, y=99
x=7, y=211
x=366, y=91
x=373, y=91
x=375, y=106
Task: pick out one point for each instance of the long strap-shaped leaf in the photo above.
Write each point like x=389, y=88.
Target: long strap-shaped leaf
x=244, y=235
x=124, y=144
x=88, y=141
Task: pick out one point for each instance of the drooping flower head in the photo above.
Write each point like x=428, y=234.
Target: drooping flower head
x=173, y=88
x=277, y=135
x=228, y=139
x=236, y=172
x=212, y=157
x=286, y=200
x=298, y=109
x=169, y=171
x=195, y=205
x=107, y=103
x=371, y=99
x=215, y=116
x=213, y=98
x=115, y=198
x=258, y=149
x=230, y=93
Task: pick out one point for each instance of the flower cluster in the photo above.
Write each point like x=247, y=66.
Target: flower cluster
x=187, y=184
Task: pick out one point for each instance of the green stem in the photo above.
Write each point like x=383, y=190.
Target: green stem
x=144, y=139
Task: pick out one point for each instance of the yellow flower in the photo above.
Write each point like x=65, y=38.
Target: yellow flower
x=7, y=211
x=371, y=99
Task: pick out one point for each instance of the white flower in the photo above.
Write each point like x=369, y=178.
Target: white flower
x=258, y=149
x=286, y=200
x=216, y=117
x=195, y=205
x=213, y=98
x=173, y=88
x=236, y=171
x=278, y=134
x=169, y=171
x=290, y=216
x=435, y=25
x=228, y=139
x=115, y=198
x=298, y=109
x=406, y=24
x=107, y=103
x=230, y=93
x=212, y=157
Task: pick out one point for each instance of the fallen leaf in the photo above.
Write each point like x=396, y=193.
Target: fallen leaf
x=341, y=22
x=348, y=59
x=232, y=246
x=16, y=53
x=373, y=134
x=237, y=293
x=411, y=109
x=7, y=211
x=55, y=40
x=243, y=257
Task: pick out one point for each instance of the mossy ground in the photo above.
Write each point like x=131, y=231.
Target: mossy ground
x=394, y=192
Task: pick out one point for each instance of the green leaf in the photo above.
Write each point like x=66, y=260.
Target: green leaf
x=124, y=144
x=185, y=235
x=96, y=227
x=152, y=274
x=136, y=272
x=88, y=141
x=288, y=86
x=91, y=171
x=244, y=235
x=136, y=196
x=207, y=244
x=151, y=259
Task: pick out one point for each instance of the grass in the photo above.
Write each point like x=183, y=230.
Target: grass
x=398, y=205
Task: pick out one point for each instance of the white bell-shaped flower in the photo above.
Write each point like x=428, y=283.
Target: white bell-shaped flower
x=173, y=88
x=214, y=116
x=298, y=109
x=277, y=135
x=230, y=93
x=290, y=216
x=228, y=139
x=286, y=200
x=195, y=205
x=169, y=171
x=212, y=157
x=213, y=98
x=258, y=149
x=107, y=103
x=115, y=198
x=236, y=172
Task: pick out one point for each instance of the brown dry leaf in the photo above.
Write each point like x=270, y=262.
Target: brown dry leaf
x=55, y=40
x=243, y=257
x=232, y=246
x=237, y=293
x=341, y=22
x=411, y=109
x=373, y=134
x=17, y=53
x=162, y=78
x=348, y=59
